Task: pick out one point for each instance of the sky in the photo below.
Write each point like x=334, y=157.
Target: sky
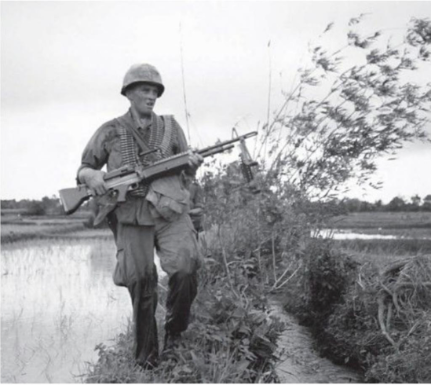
x=62, y=65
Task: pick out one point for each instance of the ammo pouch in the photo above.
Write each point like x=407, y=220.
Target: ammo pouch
x=168, y=198
x=105, y=204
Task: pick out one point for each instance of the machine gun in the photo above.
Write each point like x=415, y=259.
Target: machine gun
x=127, y=178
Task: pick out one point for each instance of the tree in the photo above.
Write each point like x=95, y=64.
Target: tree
x=415, y=202
x=340, y=118
x=397, y=204
x=427, y=203
x=35, y=208
x=51, y=205
x=378, y=205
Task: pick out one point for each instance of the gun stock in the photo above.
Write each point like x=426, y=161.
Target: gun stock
x=72, y=198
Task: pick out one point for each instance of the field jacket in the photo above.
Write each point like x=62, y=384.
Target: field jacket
x=113, y=146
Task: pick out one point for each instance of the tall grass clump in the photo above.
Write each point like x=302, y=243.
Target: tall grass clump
x=228, y=341
x=383, y=322
x=373, y=317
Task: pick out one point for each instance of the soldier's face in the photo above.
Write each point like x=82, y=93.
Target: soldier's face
x=142, y=97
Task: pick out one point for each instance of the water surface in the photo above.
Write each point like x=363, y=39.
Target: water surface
x=339, y=234
x=58, y=302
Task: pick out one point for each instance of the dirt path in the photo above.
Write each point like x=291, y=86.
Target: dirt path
x=300, y=362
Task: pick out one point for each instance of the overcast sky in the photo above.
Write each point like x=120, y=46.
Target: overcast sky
x=63, y=63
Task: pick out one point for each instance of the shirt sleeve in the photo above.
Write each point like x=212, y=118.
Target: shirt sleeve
x=95, y=154
x=180, y=145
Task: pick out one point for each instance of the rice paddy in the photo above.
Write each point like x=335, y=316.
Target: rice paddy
x=58, y=302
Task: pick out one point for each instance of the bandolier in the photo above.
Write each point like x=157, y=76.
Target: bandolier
x=161, y=137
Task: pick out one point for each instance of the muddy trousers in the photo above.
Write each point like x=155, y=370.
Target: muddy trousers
x=182, y=292
x=178, y=252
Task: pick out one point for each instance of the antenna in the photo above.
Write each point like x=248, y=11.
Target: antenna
x=184, y=87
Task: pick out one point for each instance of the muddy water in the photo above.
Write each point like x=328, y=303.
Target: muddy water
x=339, y=234
x=58, y=302
x=300, y=363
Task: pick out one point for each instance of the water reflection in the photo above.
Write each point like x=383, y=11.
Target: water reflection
x=349, y=235
x=58, y=302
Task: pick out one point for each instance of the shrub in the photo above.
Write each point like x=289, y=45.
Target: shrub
x=380, y=322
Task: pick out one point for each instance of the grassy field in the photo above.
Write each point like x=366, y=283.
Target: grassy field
x=411, y=229
x=384, y=220
x=15, y=227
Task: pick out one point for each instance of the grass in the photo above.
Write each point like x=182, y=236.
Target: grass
x=384, y=220
x=68, y=291
x=382, y=322
x=337, y=295
x=368, y=305
x=379, y=248
x=225, y=343
x=16, y=232
x=15, y=228
x=228, y=341
x=406, y=233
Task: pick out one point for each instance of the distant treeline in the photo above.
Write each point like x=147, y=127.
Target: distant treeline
x=397, y=204
x=52, y=206
x=46, y=206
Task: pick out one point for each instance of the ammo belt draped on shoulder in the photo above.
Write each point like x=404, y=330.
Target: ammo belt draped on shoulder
x=161, y=136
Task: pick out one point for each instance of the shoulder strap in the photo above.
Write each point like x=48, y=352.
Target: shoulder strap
x=167, y=136
x=166, y=140
x=132, y=130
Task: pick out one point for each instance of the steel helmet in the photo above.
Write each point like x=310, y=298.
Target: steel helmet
x=143, y=73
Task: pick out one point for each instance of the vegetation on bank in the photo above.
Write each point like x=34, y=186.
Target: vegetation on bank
x=372, y=315
x=229, y=340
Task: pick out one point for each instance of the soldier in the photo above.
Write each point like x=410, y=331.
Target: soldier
x=154, y=215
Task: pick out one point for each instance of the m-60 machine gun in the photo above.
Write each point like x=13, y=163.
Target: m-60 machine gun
x=120, y=181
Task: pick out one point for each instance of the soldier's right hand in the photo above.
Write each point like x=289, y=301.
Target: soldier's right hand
x=94, y=179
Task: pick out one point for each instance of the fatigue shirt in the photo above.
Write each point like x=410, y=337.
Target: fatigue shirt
x=104, y=148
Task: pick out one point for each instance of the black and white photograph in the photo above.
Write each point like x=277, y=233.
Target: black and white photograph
x=226, y=191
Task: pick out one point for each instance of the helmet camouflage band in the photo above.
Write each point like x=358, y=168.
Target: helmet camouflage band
x=143, y=73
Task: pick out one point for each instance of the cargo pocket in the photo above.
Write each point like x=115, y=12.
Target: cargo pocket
x=126, y=211
x=168, y=198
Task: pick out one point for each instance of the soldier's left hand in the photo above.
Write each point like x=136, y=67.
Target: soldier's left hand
x=195, y=160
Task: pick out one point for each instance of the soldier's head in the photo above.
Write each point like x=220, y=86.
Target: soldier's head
x=142, y=85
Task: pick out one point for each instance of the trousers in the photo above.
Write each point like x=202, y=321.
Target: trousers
x=177, y=248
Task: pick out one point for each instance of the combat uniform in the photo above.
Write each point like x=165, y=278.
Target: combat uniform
x=139, y=227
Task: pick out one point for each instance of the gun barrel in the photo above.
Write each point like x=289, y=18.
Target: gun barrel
x=218, y=149
x=222, y=144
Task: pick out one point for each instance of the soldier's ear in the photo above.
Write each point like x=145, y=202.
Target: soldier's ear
x=128, y=93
